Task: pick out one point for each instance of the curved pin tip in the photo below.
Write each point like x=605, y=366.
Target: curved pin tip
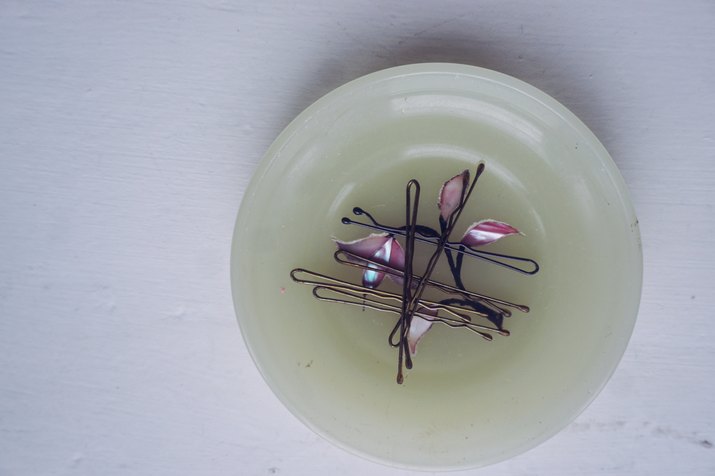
x=294, y=271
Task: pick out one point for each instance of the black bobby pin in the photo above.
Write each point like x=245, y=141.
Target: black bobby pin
x=381, y=255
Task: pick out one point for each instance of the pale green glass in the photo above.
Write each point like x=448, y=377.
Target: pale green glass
x=467, y=402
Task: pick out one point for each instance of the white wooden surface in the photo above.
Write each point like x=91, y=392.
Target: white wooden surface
x=129, y=131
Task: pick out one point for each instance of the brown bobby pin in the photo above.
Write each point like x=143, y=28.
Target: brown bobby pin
x=454, y=312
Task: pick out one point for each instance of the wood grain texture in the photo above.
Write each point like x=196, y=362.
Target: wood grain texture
x=129, y=131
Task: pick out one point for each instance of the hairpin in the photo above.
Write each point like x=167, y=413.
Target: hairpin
x=381, y=255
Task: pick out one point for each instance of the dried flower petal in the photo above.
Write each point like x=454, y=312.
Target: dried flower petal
x=397, y=257
x=364, y=247
x=418, y=328
x=450, y=195
x=487, y=231
x=382, y=248
x=373, y=276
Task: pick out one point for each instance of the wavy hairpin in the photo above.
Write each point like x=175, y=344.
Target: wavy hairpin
x=380, y=255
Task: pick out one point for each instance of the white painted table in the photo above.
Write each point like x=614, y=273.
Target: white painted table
x=129, y=131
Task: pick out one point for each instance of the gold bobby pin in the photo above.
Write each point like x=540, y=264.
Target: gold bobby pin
x=360, y=293
x=363, y=300
x=358, y=263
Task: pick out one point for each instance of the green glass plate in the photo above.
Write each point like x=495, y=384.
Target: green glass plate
x=466, y=402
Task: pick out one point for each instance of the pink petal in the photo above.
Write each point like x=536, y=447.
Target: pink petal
x=382, y=248
x=397, y=261
x=397, y=257
x=450, y=195
x=418, y=328
x=373, y=276
x=487, y=231
x=364, y=247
